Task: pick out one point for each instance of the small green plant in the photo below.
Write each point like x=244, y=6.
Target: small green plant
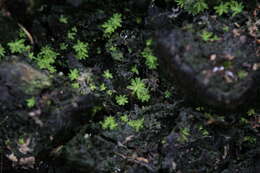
x=236, y=7
x=167, y=94
x=134, y=69
x=102, y=87
x=31, y=102
x=74, y=74
x=116, y=53
x=109, y=123
x=75, y=85
x=199, y=6
x=136, y=124
x=107, y=74
x=180, y=3
x=2, y=51
x=150, y=59
x=63, y=46
x=121, y=100
x=112, y=24
x=63, y=19
x=81, y=50
x=208, y=36
x=18, y=46
x=46, y=58
x=138, y=88
x=184, y=134
x=72, y=33
x=242, y=74
x=124, y=118
x=251, y=112
x=222, y=8
x=250, y=139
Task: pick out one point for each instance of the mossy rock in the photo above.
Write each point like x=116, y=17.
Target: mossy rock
x=221, y=72
x=22, y=78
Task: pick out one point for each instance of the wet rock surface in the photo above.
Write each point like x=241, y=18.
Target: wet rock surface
x=30, y=134
x=220, y=73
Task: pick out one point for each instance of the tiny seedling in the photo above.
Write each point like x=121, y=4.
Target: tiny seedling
x=236, y=7
x=109, y=123
x=18, y=46
x=63, y=19
x=208, y=36
x=31, y=102
x=222, y=8
x=138, y=88
x=81, y=50
x=121, y=100
x=107, y=74
x=112, y=24
x=2, y=51
x=74, y=74
x=46, y=58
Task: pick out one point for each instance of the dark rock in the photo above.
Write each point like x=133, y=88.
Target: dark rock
x=219, y=73
x=30, y=134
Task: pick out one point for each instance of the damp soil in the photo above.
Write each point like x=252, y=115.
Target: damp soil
x=171, y=133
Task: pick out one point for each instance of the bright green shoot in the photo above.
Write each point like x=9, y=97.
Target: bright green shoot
x=2, y=51
x=121, y=100
x=109, y=123
x=31, y=102
x=139, y=89
x=74, y=74
x=18, y=46
x=81, y=50
x=112, y=24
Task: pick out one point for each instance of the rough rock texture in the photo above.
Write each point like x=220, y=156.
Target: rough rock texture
x=30, y=134
x=209, y=71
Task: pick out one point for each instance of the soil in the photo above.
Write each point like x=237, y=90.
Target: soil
x=50, y=122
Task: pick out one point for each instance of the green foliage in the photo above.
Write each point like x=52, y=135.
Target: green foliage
x=242, y=74
x=184, y=134
x=197, y=6
x=136, y=124
x=63, y=19
x=63, y=46
x=135, y=70
x=112, y=24
x=72, y=33
x=116, y=53
x=124, y=118
x=250, y=139
x=150, y=59
x=18, y=46
x=74, y=74
x=167, y=94
x=109, y=123
x=192, y=6
x=2, y=51
x=209, y=36
x=46, y=58
x=222, y=8
x=31, y=102
x=251, y=112
x=236, y=7
x=75, y=85
x=138, y=88
x=81, y=50
x=107, y=74
x=121, y=100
